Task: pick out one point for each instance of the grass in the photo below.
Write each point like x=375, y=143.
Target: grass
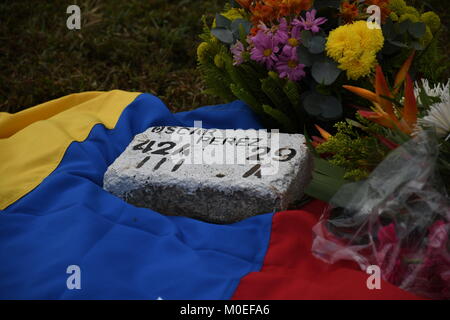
x=134, y=45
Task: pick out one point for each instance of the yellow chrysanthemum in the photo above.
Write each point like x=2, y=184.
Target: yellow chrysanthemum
x=372, y=41
x=354, y=47
x=432, y=20
x=340, y=40
x=359, y=67
x=398, y=6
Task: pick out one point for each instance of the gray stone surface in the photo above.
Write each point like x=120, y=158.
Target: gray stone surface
x=219, y=176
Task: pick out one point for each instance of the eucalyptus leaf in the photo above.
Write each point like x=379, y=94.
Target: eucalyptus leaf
x=388, y=29
x=317, y=44
x=417, y=45
x=417, y=29
x=304, y=56
x=389, y=48
x=236, y=23
x=398, y=44
x=306, y=36
x=222, y=22
x=402, y=27
x=325, y=71
x=325, y=107
x=234, y=4
x=224, y=35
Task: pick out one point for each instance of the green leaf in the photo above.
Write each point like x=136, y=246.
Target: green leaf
x=304, y=56
x=234, y=4
x=292, y=92
x=235, y=25
x=306, y=36
x=327, y=168
x=417, y=29
x=388, y=29
x=247, y=97
x=325, y=107
x=323, y=187
x=417, y=45
x=273, y=88
x=280, y=117
x=325, y=71
x=327, y=179
x=402, y=27
x=389, y=48
x=398, y=44
x=222, y=22
x=308, y=142
x=317, y=44
x=224, y=35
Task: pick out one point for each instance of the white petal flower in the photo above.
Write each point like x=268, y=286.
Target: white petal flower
x=438, y=115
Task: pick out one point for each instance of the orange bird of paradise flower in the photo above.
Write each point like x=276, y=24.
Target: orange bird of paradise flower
x=383, y=111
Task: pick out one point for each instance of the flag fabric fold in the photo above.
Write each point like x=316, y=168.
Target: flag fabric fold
x=55, y=214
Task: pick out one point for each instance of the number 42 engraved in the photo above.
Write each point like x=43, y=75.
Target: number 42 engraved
x=163, y=150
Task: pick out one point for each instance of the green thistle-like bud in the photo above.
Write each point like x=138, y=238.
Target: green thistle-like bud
x=218, y=61
x=202, y=52
x=408, y=16
x=273, y=75
x=412, y=10
x=393, y=16
x=397, y=6
x=432, y=20
x=427, y=37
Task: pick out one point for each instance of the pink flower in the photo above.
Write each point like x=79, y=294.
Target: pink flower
x=438, y=236
x=387, y=235
x=294, y=39
x=288, y=66
x=237, y=50
x=436, y=264
x=388, y=254
x=281, y=32
x=264, y=49
x=311, y=23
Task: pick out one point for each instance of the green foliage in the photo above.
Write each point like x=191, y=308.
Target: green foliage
x=215, y=76
x=291, y=90
x=281, y=118
x=434, y=63
x=357, y=152
x=274, y=99
x=243, y=95
x=326, y=180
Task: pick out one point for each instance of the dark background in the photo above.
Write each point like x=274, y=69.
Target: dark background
x=134, y=45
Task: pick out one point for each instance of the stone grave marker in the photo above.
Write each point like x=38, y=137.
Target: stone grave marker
x=219, y=176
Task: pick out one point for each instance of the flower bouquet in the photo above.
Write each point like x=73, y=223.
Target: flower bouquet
x=341, y=73
x=398, y=217
x=288, y=59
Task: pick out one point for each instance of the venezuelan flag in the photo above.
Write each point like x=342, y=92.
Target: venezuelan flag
x=54, y=214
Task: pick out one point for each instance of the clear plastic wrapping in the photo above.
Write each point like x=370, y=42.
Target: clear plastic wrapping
x=397, y=219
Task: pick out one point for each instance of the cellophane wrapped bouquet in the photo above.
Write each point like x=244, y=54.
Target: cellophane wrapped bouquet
x=366, y=81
